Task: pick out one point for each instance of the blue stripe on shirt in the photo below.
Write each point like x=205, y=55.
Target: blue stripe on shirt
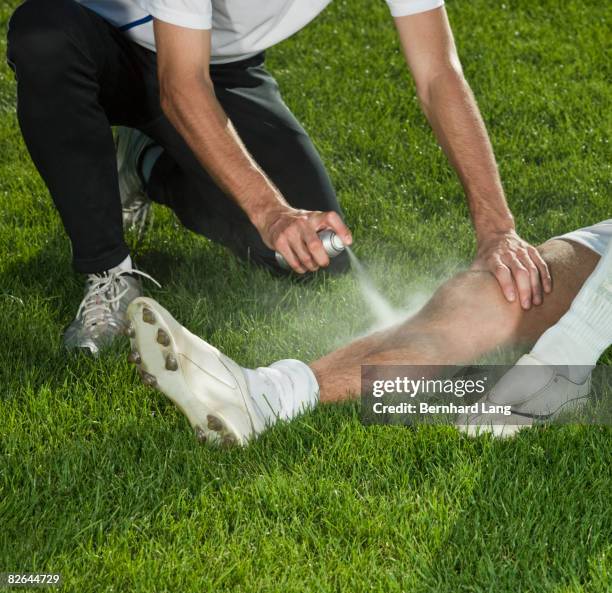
x=142, y=21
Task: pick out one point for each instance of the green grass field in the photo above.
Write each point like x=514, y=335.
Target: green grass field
x=101, y=479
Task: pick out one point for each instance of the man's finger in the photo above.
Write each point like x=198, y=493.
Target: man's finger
x=293, y=235
x=316, y=249
x=333, y=221
x=303, y=254
x=534, y=277
x=283, y=247
x=522, y=280
x=542, y=266
x=504, y=277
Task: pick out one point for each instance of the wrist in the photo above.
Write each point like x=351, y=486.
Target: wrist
x=264, y=206
x=494, y=227
x=257, y=197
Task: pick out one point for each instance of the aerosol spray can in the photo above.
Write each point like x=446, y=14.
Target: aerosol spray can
x=332, y=244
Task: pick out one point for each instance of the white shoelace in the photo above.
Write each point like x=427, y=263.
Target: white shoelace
x=103, y=291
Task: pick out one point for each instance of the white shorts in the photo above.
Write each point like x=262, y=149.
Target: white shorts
x=596, y=237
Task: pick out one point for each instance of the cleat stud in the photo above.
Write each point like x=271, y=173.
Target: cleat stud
x=200, y=434
x=214, y=423
x=171, y=364
x=148, y=379
x=229, y=441
x=163, y=338
x=130, y=332
x=147, y=316
x=134, y=358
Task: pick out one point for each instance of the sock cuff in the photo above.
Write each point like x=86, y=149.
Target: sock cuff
x=589, y=324
x=125, y=265
x=300, y=371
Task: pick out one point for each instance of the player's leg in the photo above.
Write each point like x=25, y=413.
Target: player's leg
x=466, y=318
x=251, y=98
x=555, y=375
x=580, y=337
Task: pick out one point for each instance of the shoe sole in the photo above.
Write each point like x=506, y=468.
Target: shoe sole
x=510, y=430
x=153, y=334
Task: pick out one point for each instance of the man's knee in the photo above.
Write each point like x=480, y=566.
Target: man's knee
x=266, y=258
x=339, y=264
x=39, y=43
x=244, y=240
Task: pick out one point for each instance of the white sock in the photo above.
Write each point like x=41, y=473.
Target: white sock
x=125, y=265
x=580, y=337
x=283, y=390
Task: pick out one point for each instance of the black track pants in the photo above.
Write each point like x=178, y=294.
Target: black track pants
x=77, y=76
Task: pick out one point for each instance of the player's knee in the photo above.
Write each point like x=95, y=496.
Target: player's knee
x=474, y=300
x=248, y=245
x=462, y=289
x=337, y=265
x=38, y=40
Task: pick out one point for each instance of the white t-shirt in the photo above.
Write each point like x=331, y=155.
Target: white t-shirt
x=240, y=28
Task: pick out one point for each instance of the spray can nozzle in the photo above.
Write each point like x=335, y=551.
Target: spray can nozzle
x=332, y=244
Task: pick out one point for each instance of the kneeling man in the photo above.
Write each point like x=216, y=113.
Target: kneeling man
x=205, y=132
x=466, y=318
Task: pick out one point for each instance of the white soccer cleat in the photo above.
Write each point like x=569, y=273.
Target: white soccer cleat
x=535, y=395
x=207, y=386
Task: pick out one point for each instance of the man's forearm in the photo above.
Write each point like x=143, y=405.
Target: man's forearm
x=455, y=118
x=200, y=119
x=188, y=100
x=448, y=102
